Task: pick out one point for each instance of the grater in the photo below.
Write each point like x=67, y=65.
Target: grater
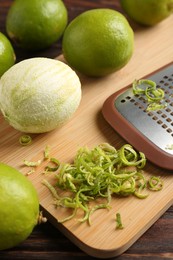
x=149, y=132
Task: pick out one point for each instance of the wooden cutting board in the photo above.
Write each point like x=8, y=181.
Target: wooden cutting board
x=153, y=49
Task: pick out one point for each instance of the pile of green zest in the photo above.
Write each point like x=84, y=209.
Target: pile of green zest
x=99, y=173
x=154, y=96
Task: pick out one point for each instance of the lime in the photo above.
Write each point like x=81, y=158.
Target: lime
x=98, y=42
x=7, y=55
x=19, y=207
x=40, y=94
x=148, y=12
x=36, y=24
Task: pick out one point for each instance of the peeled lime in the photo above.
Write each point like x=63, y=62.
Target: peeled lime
x=39, y=94
x=19, y=207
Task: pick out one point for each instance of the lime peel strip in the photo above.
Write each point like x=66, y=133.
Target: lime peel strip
x=155, y=183
x=119, y=224
x=155, y=96
x=25, y=140
x=47, y=152
x=49, y=168
x=32, y=163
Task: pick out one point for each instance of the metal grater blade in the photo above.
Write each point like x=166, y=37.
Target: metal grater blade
x=127, y=114
x=157, y=126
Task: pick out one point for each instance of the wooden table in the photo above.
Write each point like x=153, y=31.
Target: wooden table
x=46, y=242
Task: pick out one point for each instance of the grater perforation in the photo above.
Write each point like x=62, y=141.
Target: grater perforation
x=148, y=131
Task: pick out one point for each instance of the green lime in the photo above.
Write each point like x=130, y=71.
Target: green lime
x=36, y=24
x=98, y=42
x=19, y=207
x=148, y=12
x=7, y=55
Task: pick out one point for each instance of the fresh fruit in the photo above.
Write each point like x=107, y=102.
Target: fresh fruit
x=36, y=24
x=19, y=207
x=7, y=55
x=147, y=12
x=98, y=42
x=39, y=94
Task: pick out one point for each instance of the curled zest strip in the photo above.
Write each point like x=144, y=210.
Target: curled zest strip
x=25, y=140
x=100, y=206
x=136, y=85
x=49, y=168
x=129, y=157
x=141, y=184
x=139, y=86
x=155, y=183
x=153, y=95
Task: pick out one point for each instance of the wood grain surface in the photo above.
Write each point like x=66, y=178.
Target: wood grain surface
x=153, y=49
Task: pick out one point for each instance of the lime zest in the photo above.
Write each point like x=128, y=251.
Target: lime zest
x=51, y=188
x=154, y=96
x=30, y=172
x=98, y=173
x=47, y=152
x=32, y=163
x=137, y=86
x=69, y=217
x=49, y=168
x=141, y=184
x=25, y=140
x=99, y=206
x=129, y=157
x=119, y=224
x=169, y=147
x=155, y=183
x=155, y=106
